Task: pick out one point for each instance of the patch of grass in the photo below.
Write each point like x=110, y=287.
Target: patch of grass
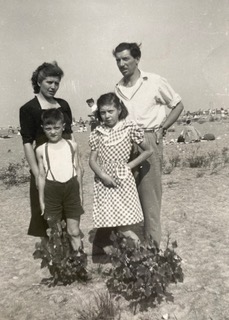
x=103, y=307
x=15, y=174
x=225, y=155
x=167, y=168
x=175, y=160
x=200, y=174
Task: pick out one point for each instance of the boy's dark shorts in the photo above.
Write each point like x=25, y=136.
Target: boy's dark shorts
x=62, y=200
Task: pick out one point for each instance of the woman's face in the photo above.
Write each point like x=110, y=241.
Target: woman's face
x=49, y=87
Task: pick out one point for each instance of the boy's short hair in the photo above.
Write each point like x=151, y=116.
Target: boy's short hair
x=52, y=116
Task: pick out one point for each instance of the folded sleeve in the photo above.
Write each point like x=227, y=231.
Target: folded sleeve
x=167, y=95
x=136, y=134
x=28, y=125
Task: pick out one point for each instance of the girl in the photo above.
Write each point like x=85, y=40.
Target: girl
x=116, y=202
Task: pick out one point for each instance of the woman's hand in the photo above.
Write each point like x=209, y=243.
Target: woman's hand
x=42, y=205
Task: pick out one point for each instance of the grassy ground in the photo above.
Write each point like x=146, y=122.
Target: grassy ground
x=194, y=212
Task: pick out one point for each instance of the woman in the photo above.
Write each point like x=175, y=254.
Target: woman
x=45, y=81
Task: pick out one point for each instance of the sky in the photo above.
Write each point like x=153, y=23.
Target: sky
x=185, y=41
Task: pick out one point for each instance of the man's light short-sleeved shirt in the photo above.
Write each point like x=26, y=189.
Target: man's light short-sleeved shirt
x=147, y=100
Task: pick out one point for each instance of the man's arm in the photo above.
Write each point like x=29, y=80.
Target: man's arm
x=172, y=117
x=147, y=152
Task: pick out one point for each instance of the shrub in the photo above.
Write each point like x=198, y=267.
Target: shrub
x=143, y=273
x=15, y=174
x=65, y=265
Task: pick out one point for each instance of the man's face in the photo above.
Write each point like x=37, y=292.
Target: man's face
x=126, y=63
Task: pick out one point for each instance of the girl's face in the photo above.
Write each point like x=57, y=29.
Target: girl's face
x=110, y=115
x=49, y=87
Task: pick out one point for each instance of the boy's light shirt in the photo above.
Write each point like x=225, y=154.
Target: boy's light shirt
x=60, y=161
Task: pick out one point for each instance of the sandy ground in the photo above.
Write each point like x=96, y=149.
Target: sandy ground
x=195, y=212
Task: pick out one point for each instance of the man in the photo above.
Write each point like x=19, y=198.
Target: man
x=146, y=96
x=190, y=133
x=93, y=106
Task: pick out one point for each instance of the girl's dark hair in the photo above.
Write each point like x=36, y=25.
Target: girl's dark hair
x=43, y=71
x=52, y=116
x=111, y=99
x=134, y=49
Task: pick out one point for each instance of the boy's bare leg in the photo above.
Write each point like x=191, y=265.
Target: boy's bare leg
x=73, y=229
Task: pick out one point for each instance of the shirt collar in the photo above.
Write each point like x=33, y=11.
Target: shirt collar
x=143, y=76
x=106, y=130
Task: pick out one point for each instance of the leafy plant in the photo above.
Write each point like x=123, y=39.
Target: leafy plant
x=15, y=174
x=65, y=265
x=143, y=273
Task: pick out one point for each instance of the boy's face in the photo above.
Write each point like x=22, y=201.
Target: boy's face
x=54, y=131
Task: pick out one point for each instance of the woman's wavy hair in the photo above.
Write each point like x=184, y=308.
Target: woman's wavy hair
x=43, y=71
x=110, y=98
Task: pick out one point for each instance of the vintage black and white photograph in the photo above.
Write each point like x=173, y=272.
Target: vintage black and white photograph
x=114, y=162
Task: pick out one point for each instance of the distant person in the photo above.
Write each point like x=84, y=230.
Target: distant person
x=190, y=133
x=45, y=81
x=93, y=118
x=116, y=201
x=146, y=96
x=60, y=177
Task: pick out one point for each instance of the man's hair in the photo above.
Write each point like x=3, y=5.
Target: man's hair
x=111, y=99
x=134, y=49
x=43, y=71
x=91, y=100
x=52, y=116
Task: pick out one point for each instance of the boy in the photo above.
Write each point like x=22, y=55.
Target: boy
x=60, y=177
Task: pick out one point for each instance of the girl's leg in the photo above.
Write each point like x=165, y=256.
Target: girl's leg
x=127, y=232
x=74, y=233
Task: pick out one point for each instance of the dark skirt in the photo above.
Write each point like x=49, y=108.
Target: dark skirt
x=38, y=225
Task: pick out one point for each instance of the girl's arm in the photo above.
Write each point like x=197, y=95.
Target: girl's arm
x=147, y=152
x=41, y=179
x=106, y=179
x=79, y=171
x=31, y=158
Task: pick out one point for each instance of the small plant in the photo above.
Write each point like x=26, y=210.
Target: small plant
x=225, y=155
x=65, y=265
x=143, y=273
x=15, y=174
x=175, y=160
x=102, y=308
x=200, y=174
